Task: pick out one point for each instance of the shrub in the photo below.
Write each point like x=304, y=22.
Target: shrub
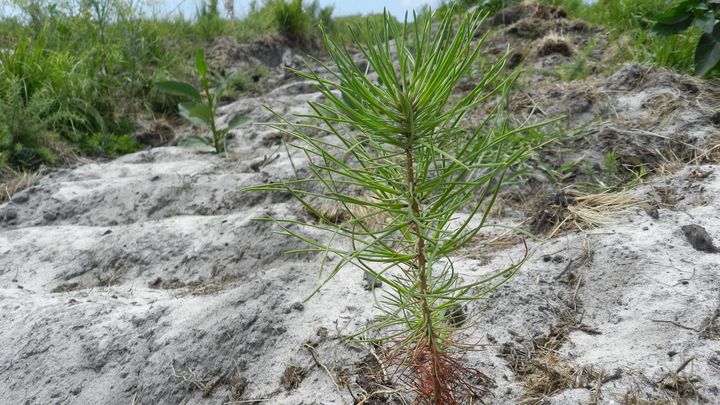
x=703, y=14
x=398, y=160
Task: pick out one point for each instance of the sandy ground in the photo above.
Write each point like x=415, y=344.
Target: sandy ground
x=145, y=280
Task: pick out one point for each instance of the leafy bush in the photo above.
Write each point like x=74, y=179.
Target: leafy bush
x=201, y=112
x=402, y=166
x=704, y=14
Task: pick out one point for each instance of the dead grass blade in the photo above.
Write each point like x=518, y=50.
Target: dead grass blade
x=12, y=182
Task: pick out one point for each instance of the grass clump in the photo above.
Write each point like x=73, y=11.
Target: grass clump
x=298, y=21
x=428, y=183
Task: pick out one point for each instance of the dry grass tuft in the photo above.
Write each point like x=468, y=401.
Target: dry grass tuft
x=710, y=153
x=555, y=44
x=483, y=246
x=573, y=209
x=593, y=210
x=12, y=182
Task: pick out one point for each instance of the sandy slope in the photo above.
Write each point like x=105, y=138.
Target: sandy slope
x=145, y=280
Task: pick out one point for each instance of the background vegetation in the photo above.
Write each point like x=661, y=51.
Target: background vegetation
x=76, y=77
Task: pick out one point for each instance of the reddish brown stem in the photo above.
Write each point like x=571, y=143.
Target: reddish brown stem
x=421, y=263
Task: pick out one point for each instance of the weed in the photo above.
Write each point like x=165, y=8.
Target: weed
x=615, y=177
x=489, y=6
x=418, y=168
x=201, y=112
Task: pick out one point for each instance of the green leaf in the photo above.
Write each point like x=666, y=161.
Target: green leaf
x=707, y=53
x=200, y=64
x=195, y=113
x=675, y=14
x=194, y=140
x=672, y=29
x=178, y=89
x=716, y=32
x=203, y=112
x=706, y=22
x=237, y=121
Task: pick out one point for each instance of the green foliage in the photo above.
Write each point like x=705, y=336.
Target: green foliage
x=615, y=177
x=85, y=60
x=630, y=22
x=209, y=24
x=110, y=145
x=27, y=121
x=202, y=112
x=97, y=61
x=489, y=6
x=704, y=15
x=399, y=141
x=299, y=22
x=244, y=82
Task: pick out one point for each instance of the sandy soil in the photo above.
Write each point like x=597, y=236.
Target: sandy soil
x=145, y=280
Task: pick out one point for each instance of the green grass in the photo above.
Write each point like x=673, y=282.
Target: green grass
x=76, y=79
x=96, y=64
x=629, y=23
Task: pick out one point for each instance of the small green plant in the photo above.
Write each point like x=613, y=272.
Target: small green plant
x=202, y=112
x=703, y=14
x=416, y=185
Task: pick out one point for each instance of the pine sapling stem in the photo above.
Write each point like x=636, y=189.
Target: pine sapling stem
x=421, y=263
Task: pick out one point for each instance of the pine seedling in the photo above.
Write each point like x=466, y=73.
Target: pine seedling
x=202, y=112
x=415, y=184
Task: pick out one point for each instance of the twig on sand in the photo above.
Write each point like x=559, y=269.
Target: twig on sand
x=205, y=387
x=685, y=364
x=314, y=355
x=247, y=401
x=675, y=324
